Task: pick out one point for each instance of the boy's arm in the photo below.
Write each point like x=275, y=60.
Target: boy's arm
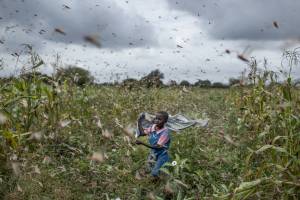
x=164, y=138
x=141, y=129
x=149, y=146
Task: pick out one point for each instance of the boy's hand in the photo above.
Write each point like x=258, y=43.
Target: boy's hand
x=142, y=116
x=138, y=142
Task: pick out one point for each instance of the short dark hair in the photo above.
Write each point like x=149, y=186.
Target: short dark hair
x=164, y=114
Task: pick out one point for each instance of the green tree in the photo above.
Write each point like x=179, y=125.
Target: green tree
x=153, y=79
x=172, y=83
x=184, y=83
x=219, y=85
x=203, y=83
x=130, y=83
x=77, y=75
x=234, y=81
x=30, y=75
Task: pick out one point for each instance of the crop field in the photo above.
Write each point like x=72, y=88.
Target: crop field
x=88, y=90
x=61, y=141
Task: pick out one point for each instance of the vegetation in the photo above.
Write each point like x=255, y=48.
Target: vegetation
x=153, y=79
x=77, y=75
x=185, y=83
x=59, y=140
x=203, y=83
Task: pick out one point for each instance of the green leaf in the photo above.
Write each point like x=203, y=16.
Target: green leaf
x=166, y=171
x=279, y=137
x=263, y=148
x=38, y=64
x=268, y=146
x=181, y=183
x=179, y=195
x=9, y=137
x=247, y=185
x=262, y=134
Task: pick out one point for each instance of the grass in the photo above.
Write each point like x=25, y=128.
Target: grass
x=69, y=148
x=60, y=141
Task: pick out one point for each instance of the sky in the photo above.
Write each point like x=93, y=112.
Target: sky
x=184, y=39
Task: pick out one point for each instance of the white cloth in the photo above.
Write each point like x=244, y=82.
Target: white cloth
x=175, y=123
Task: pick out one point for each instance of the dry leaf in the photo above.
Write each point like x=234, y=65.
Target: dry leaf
x=14, y=157
x=51, y=135
x=99, y=124
x=36, y=169
x=181, y=183
x=45, y=116
x=229, y=140
x=16, y=168
x=37, y=136
x=137, y=176
x=24, y=103
x=128, y=153
x=105, y=156
x=168, y=189
x=93, y=184
x=40, y=183
x=97, y=156
x=107, y=134
x=127, y=139
x=19, y=188
x=62, y=168
x=3, y=118
x=151, y=196
x=184, y=89
x=46, y=160
x=64, y=123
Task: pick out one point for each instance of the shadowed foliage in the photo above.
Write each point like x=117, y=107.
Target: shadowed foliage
x=203, y=83
x=153, y=79
x=76, y=75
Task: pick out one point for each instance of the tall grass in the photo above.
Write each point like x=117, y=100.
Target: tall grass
x=269, y=123
x=60, y=141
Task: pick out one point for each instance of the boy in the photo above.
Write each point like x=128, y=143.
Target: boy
x=159, y=140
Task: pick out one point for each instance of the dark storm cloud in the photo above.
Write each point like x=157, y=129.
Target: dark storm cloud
x=39, y=21
x=250, y=20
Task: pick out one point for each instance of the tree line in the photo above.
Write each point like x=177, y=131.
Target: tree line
x=82, y=77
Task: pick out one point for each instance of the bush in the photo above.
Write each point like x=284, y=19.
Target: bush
x=172, y=83
x=30, y=75
x=153, y=79
x=76, y=75
x=130, y=83
x=234, y=81
x=219, y=85
x=203, y=83
x=184, y=83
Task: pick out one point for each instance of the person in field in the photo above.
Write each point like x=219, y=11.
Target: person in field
x=159, y=141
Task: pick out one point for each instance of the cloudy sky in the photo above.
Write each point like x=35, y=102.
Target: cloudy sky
x=185, y=39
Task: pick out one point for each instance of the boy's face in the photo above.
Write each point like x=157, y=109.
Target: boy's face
x=159, y=120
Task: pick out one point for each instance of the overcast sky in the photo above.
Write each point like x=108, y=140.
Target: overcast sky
x=185, y=39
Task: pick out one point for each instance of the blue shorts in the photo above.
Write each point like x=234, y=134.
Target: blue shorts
x=156, y=162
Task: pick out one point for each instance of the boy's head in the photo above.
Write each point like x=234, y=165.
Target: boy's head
x=161, y=118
